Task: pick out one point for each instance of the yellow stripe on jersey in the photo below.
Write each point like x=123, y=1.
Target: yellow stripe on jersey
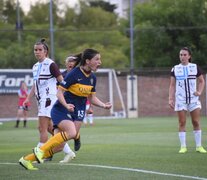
x=79, y=89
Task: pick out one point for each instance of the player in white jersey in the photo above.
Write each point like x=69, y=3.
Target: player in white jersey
x=184, y=96
x=45, y=75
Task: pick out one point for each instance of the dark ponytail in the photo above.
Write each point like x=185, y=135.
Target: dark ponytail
x=78, y=58
x=44, y=44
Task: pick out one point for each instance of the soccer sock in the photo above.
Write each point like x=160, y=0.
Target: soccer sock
x=48, y=154
x=197, y=136
x=67, y=148
x=40, y=144
x=17, y=123
x=90, y=117
x=182, y=137
x=77, y=136
x=54, y=141
x=31, y=157
x=25, y=123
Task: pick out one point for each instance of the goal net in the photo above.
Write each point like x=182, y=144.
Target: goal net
x=108, y=89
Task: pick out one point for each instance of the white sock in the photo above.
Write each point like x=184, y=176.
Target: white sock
x=90, y=117
x=40, y=144
x=182, y=137
x=197, y=136
x=66, y=149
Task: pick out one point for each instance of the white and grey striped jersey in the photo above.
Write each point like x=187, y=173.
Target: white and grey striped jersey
x=44, y=75
x=186, y=82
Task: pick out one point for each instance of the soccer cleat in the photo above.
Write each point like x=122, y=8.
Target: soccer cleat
x=68, y=157
x=183, y=150
x=201, y=150
x=38, y=154
x=26, y=164
x=77, y=144
x=48, y=159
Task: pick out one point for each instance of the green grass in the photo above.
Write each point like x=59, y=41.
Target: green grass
x=115, y=149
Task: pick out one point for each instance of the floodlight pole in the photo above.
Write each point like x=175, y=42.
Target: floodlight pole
x=132, y=55
x=51, y=32
x=18, y=23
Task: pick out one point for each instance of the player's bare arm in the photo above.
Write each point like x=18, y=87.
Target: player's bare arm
x=201, y=84
x=97, y=102
x=61, y=98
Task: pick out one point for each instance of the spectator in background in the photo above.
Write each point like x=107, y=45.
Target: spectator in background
x=184, y=95
x=22, y=112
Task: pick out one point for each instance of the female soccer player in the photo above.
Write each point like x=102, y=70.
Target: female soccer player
x=70, y=63
x=45, y=75
x=184, y=96
x=69, y=110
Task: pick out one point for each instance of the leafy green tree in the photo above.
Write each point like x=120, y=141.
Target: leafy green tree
x=95, y=18
x=113, y=43
x=92, y=27
x=40, y=14
x=67, y=22
x=162, y=27
x=86, y=29
x=8, y=11
x=104, y=5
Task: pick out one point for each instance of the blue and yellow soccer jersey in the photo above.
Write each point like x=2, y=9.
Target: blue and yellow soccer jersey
x=77, y=86
x=78, y=83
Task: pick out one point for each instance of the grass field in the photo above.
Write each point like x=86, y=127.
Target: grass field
x=113, y=149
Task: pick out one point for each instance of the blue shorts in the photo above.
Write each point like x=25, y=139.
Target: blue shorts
x=59, y=113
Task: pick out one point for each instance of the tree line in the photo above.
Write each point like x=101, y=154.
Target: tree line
x=161, y=28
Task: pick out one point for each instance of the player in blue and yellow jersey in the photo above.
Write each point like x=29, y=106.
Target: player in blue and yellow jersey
x=69, y=110
x=70, y=62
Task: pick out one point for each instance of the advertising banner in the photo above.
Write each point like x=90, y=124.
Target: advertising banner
x=10, y=80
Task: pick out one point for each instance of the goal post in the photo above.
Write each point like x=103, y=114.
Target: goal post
x=110, y=88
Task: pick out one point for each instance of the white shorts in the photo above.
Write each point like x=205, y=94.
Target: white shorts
x=45, y=105
x=187, y=107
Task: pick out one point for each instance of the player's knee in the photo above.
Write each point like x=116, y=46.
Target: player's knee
x=72, y=134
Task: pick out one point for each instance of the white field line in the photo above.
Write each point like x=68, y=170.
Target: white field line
x=123, y=169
